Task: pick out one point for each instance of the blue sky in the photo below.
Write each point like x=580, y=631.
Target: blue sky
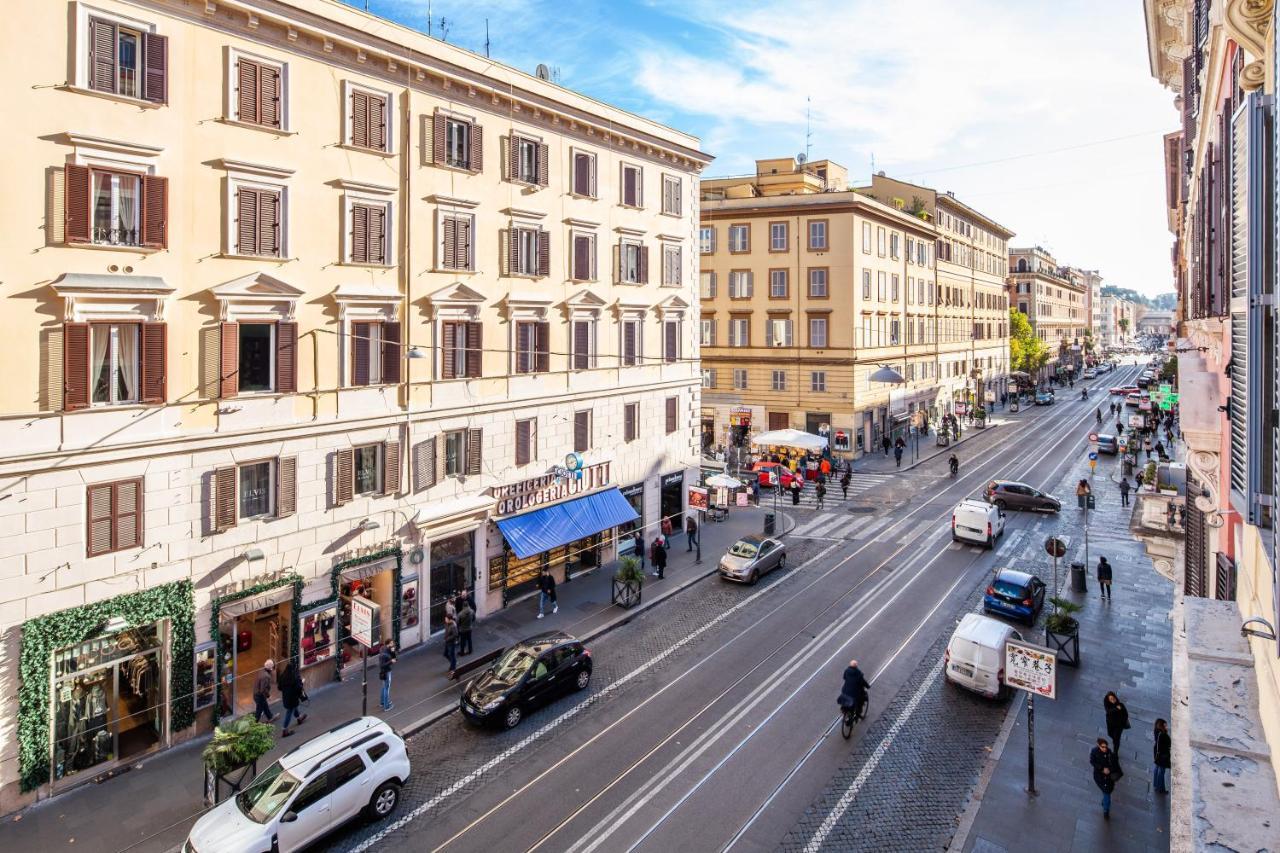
x=1057, y=94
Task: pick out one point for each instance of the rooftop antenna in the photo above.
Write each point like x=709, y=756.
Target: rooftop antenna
x=428, y=18
x=873, y=166
x=808, y=131
x=444, y=28
x=486, y=38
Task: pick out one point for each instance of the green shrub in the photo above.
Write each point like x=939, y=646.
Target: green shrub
x=629, y=570
x=1061, y=620
x=237, y=743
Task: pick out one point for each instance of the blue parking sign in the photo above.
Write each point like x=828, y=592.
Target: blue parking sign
x=1092, y=455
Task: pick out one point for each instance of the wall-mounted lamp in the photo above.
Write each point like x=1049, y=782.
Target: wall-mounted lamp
x=1268, y=634
x=369, y=524
x=254, y=554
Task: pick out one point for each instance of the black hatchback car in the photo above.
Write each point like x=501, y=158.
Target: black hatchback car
x=526, y=676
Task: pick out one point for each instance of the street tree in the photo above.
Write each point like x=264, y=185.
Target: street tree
x=1026, y=351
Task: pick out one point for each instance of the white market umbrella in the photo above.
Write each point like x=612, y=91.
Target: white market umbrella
x=723, y=481
x=790, y=438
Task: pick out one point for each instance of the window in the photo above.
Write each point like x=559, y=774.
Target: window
x=584, y=174
x=368, y=471
x=777, y=333
x=866, y=284
x=911, y=250
x=671, y=341
x=672, y=189
x=741, y=284
x=630, y=421
x=911, y=290
x=368, y=119
x=707, y=334
x=116, y=209
x=707, y=285
x=707, y=239
x=818, y=380
x=582, y=431
x=375, y=353
x=460, y=349
x=817, y=235
x=257, y=357
x=584, y=344
x=254, y=490
x=632, y=186
x=259, y=216
x=378, y=750
x=126, y=60
x=708, y=378
x=893, y=245
x=455, y=453
x=777, y=284
x=740, y=378
x=779, y=380
x=526, y=440
x=370, y=234
x=818, y=283
x=259, y=92
x=671, y=271
x=739, y=238
x=633, y=262
x=880, y=240
x=632, y=341
x=882, y=279
x=866, y=238
x=777, y=236
x=115, y=365
x=457, y=251
x=461, y=143
x=739, y=332
x=528, y=251
x=893, y=288
x=895, y=332
x=533, y=346
x=114, y=517
x=672, y=413
x=528, y=161
x=817, y=332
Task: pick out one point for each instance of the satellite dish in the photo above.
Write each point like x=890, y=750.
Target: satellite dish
x=543, y=72
x=801, y=158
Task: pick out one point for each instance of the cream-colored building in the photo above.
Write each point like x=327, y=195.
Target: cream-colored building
x=1053, y=298
x=303, y=308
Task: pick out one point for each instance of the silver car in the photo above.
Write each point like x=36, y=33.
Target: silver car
x=752, y=556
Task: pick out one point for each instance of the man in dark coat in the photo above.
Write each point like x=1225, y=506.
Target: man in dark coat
x=854, y=691
x=1106, y=771
x=466, y=618
x=886, y=444
x=291, y=695
x=691, y=531
x=1124, y=491
x=658, y=553
x=386, y=660
x=1117, y=717
x=1161, y=749
x=844, y=482
x=1104, y=577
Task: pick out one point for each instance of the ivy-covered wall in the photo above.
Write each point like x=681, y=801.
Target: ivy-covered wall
x=224, y=651
x=44, y=635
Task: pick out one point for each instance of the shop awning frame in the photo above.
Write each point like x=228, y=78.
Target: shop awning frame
x=549, y=527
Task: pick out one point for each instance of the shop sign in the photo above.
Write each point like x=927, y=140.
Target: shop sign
x=1031, y=668
x=741, y=499
x=740, y=417
x=366, y=551
x=961, y=408
x=673, y=479
x=240, y=586
x=366, y=622
x=1137, y=421
x=632, y=490
x=698, y=498
x=548, y=488
x=991, y=396
x=841, y=440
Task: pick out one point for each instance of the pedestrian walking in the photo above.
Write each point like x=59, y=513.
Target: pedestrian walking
x=638, y=549
x=451, y=645
x=387, y=660
x=1104, y=578
x=1161, y=747
x=450, y=609
x=1083, y=490
x=1160, y=450
x=755, y=491
x=820, y=492
x=292, y=694
x=897, y=456
x=658, y=553
x=466, y=620
x=1119, y=428
x=795, y=491
x=1098, y=415
x=1106, y=772
x=691, y=533
x=886, y=444
x=262, y=692
x=1117, y=718
x=844, y=482
x=1146, y=445
x=1124, y=491
x=547, y=593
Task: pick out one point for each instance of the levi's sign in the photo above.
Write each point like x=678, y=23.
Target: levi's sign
x=547, y=488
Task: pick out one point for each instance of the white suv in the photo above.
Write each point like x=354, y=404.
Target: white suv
x=354, y=767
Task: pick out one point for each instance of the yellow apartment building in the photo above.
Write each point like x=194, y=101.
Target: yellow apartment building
x=303, y=306
x=1053, y=298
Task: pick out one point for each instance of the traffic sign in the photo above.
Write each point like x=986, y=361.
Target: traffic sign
x=1093, y=436
x=1093, y=455
x=1055, y=547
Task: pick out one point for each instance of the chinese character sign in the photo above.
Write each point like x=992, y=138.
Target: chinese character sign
x=1030, y=668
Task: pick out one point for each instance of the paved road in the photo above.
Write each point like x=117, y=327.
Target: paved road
x=708, y=722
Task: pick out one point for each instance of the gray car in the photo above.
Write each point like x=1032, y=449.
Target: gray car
x=752, y=556
x=1007, y=494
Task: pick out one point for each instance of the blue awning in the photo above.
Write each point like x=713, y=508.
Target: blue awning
x=549, y=527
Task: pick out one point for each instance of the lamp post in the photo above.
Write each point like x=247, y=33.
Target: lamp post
x=886, y=375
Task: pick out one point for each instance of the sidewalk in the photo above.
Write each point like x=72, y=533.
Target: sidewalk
x=152, y=807
x=879, y=462
x=1125, y=646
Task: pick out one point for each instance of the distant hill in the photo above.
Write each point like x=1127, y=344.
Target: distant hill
x=1160, y=302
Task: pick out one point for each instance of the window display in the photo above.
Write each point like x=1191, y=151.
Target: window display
x=318, y=634
x=205, y=674
x=409, y=603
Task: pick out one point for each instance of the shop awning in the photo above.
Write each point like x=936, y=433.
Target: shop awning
x=552, y=526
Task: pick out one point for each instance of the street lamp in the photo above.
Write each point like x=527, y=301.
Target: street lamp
x=886, y=375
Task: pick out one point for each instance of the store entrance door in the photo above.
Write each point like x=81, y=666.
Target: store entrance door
x=452, y=570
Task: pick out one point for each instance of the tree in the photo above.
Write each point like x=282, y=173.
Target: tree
x=1027, y=352
x=1124, y=324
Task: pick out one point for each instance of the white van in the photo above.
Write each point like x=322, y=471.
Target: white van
x=975, y=656
x=977, y=521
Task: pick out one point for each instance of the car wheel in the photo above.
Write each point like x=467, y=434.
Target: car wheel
x=754, y=578
x=584, y=678
x=384, y=800
x=782, y=562
x=1001, y=505
x=513, y=717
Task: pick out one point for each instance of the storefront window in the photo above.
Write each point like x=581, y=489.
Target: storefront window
x=635, y=497
x=452, y=570
x=206, y=674
x=409, y=603
x=376, y=582
x=672, y=503
x=317, y=634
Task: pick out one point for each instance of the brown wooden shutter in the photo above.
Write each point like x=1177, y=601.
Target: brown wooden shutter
x=582, y=174
x=155, y=80
x=229, y=367
x=424, y=464
x=392, y=353
x=128, y=514
x=76, y=224
x=581, y=345
x=359, y=119
x=449, y=243
x=629, y=342
x=75, y=366
x=475, y=450
x=513, y=157
x=359, y=234
x=377, y=234
x=524, y=347
x=476, y=155
x=544, y=165
x=644, y=264
x=523, y=436
x=448, y=348
x=582, y=431
x=439, y=138
x=268, y=223
x=581, y=257
x=155, y=211
x=629, y=194
x=247, y=221
x=286, y=358
x=475, y=349
x=390, y=467
x=269, y=95
x=630, y=413
x=102, y=55
x=544, y=252
x=377, y=123
x=286, y=486
x=224, y=498
x=542, y=346
x=248, y=95
x=344, y=474
x=462, y=249
x=671, y=414
x=101, y=521
x=154, y=351
x=513, y=250
x=671, y=341
x=360, y=353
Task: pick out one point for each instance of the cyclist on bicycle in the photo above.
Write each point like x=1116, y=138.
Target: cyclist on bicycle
x=954, y=463
x=853, y=696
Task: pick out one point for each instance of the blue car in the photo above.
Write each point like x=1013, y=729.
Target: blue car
x=1018, y=595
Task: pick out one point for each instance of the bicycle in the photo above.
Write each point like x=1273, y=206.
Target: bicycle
x=850, y=717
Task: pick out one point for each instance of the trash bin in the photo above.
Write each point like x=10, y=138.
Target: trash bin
x=769, y=521
x=1078, y=578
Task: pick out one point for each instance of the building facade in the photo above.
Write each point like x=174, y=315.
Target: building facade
x=1114, y=321
x=1053, y=298
x=317, y=310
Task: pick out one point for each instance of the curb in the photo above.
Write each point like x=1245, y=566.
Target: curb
x=970, y=814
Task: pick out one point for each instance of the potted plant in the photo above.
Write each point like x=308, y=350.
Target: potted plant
x=980, y=417
x=1062, y=630
x=231, y=758
x=628, y=582
x=1149, y=476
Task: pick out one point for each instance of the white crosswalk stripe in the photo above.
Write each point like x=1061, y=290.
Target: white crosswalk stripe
x=858, y=484
x=840, y=524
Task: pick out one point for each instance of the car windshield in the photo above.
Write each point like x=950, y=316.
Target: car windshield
x=743, y=548
x=512, y=666
x=1010, y=590
x=267, y=794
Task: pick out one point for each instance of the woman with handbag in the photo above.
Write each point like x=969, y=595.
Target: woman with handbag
x=1106, y=772
x=1117, y=719
x=292, y=694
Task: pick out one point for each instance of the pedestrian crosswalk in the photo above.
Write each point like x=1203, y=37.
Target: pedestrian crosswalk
x=843, y=525
x=858, y=483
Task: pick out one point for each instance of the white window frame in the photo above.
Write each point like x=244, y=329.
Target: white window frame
x=231, y=232
x=820, y=224
x=745, y=231
x=783, y=274
x=707, y=331
x=348, y=87
x=378, y=466
x=622, y=185
x=813, y=342
x=629, y=318
x=593, y=273
x=113, y=359
x=471, y=123
x=670, y=251
x=736, y=340
x=773, y=237
x=271, y=350
x=271, y=489
x=783, y=324
x=882, y=238
x=866, y=238
x=667, y=181
x=707, y=284
x=349, y=200
x=708, y=377
x=531, y=143
x=706, y=239
x=894, y=245
x=623, y=246
x=740, y=378
x=593, y=347
x=526, y=263
x=826, y=279
x=83, y=71
x=573, y=172
x=738, y=278
x=461, y=435
x=866, y=284
x=443, y=213
x=231, y=104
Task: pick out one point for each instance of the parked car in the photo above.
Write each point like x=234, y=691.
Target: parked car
x=1089, y=373
x=1134, y=399
x=1044, y=398
x=977, y=521
x=751, y=557
x=974, y=658
x=1124, y=390
x=1016, y=594
x=1008, y=494
x=1144, y=380
x=525, y=677
x=1108, y=444
x=355, y=767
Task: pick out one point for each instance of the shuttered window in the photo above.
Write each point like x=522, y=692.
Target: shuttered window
x=584, y=174
x=258, y=94
x=671, y=266
x=633, y=262
x=475, y=451
x=582, y=431
x=672, y=406
x=108, y=364
x=369, y=233
x=461, y=349
x=425, y=462
x=583, y=344
x=286, y=486
x=584, y=257
x=457, y=142
x=456, y=249
x=527, y=161
x=114, y=516
x=528, y=251
x=525, y=439
x=127, y=61
x=630, y=421
x=375, y=353
x=533, y=346
x=369, y=120
x=257, y=230
x=632, y=186
x=672, y=187
x=671, y=341
x=109, y=208
x=632, y=341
